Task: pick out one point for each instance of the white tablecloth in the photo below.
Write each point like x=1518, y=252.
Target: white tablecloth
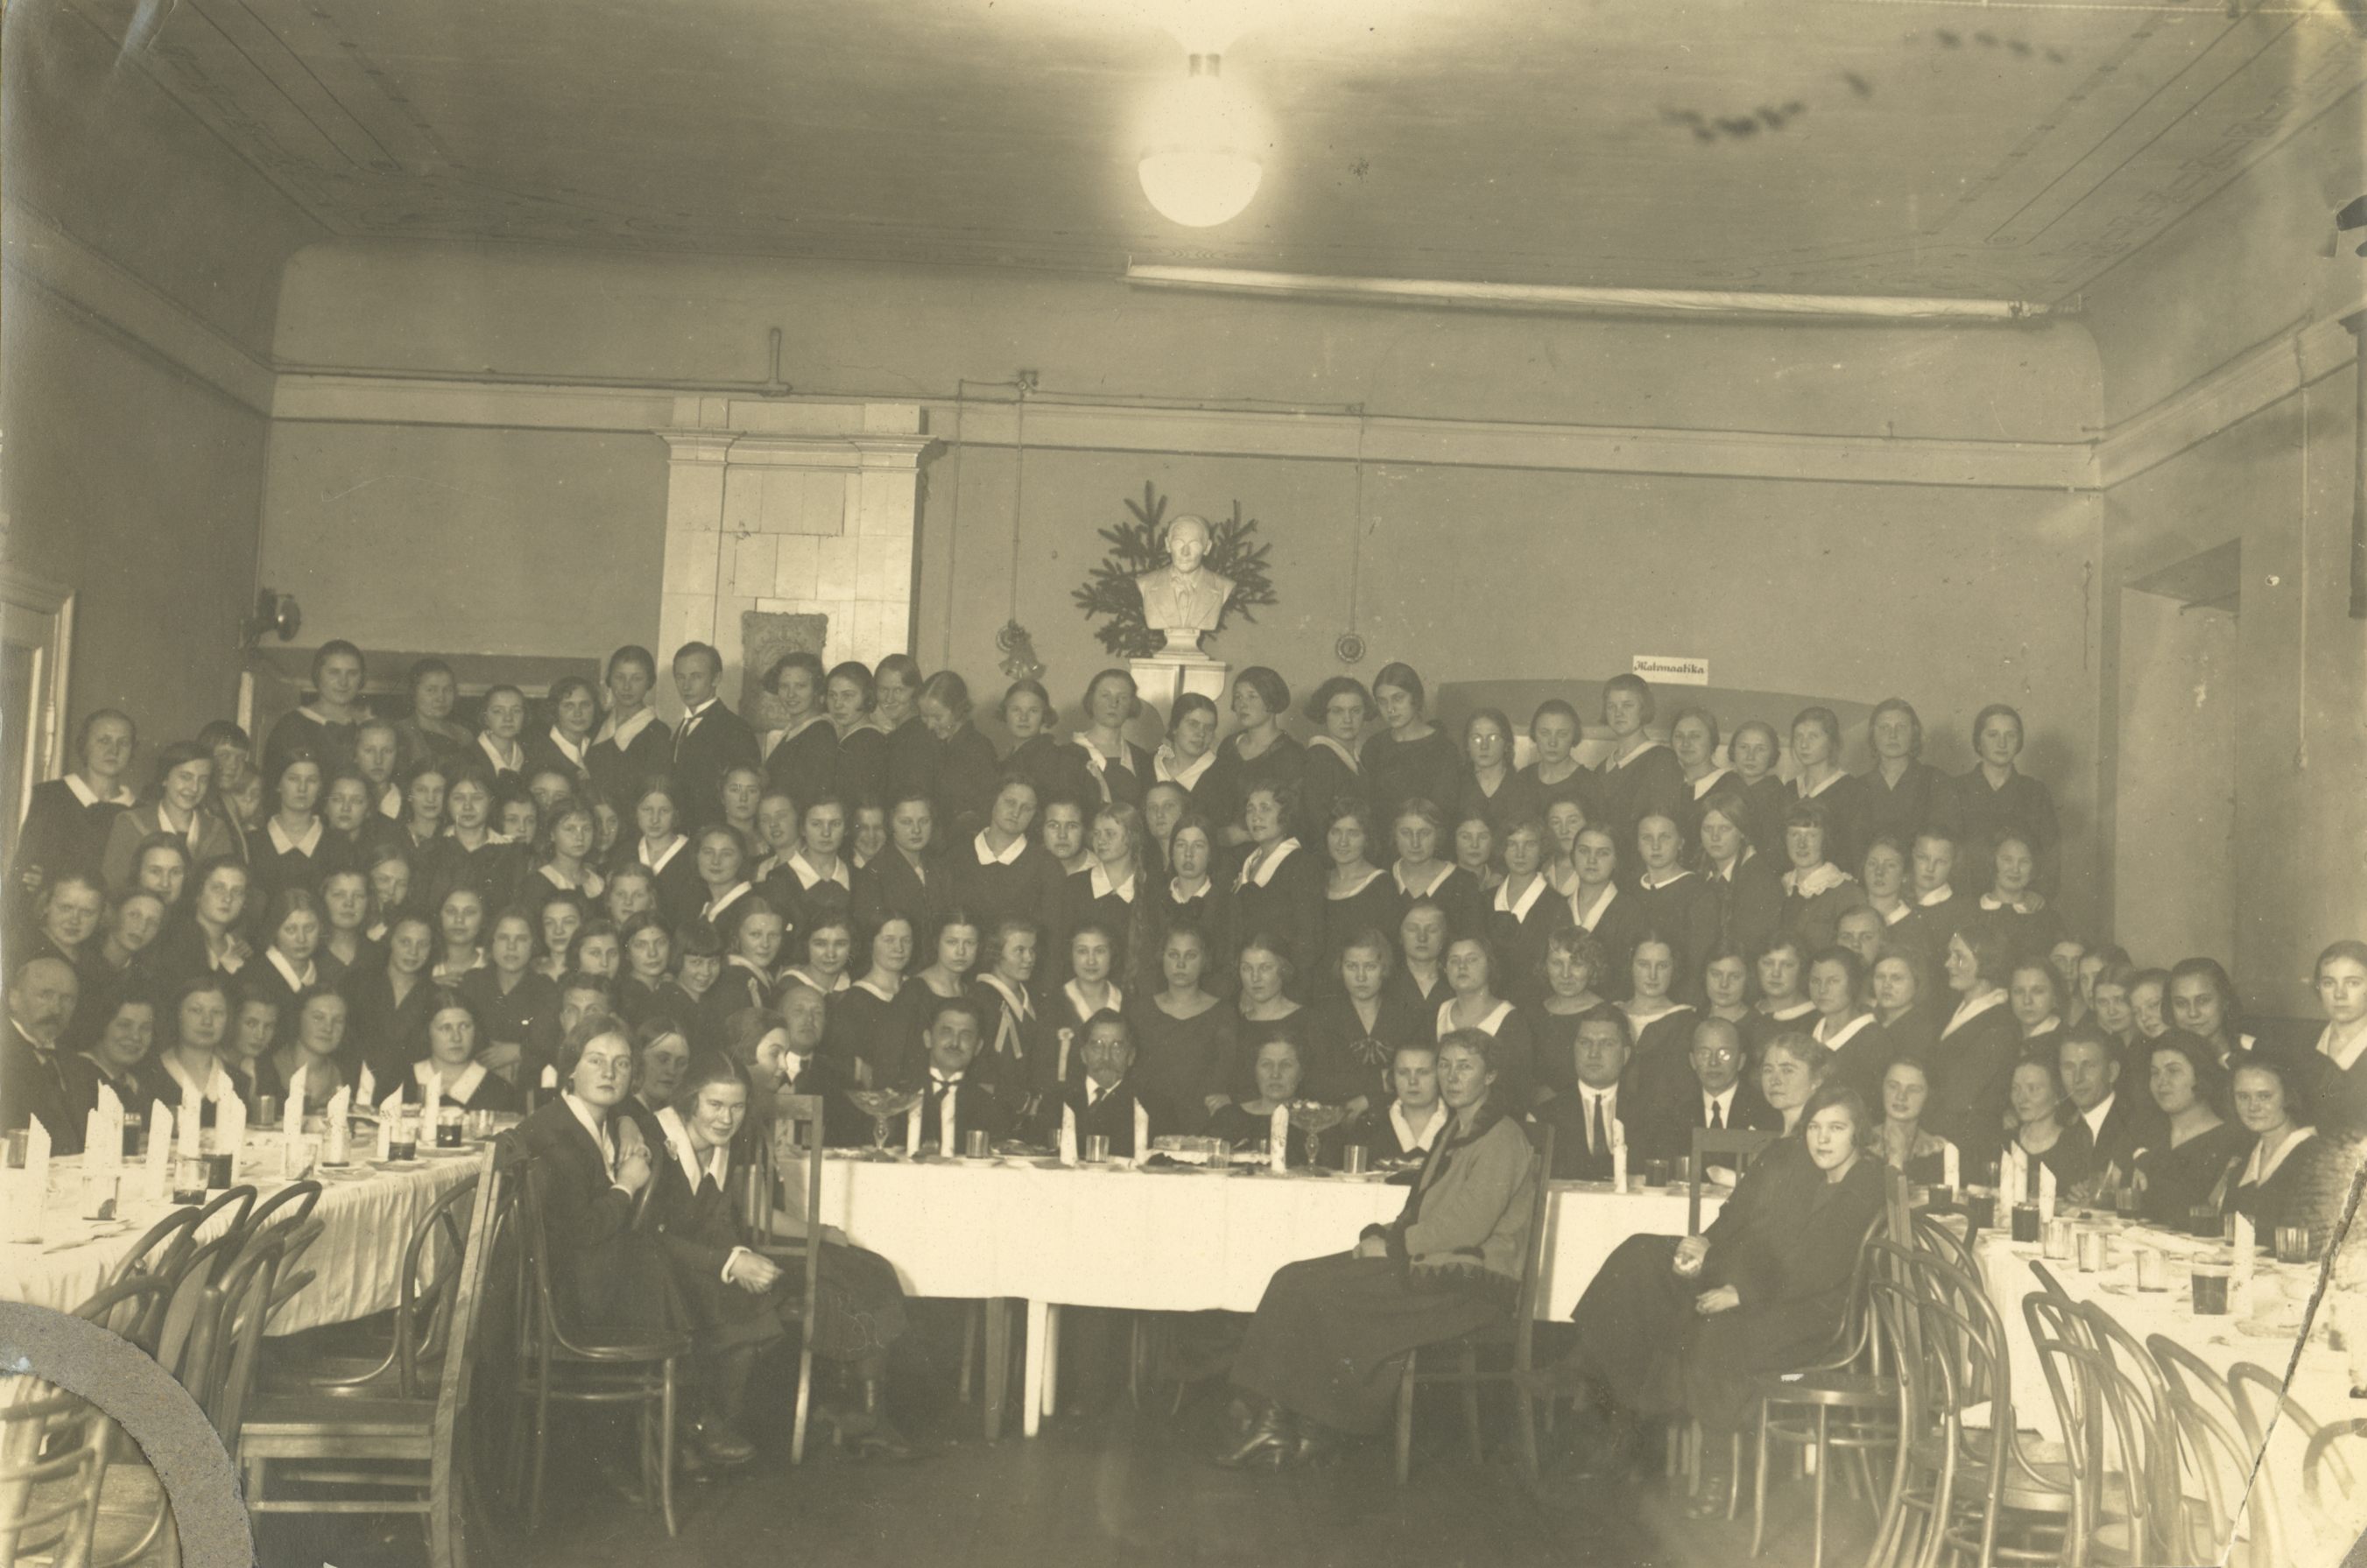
x=356, y=1262
x=2263, y=1330
x=1109, y=1237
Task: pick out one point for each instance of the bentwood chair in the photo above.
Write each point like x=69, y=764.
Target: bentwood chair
x=402, y=1449
x=2249, y=1382
x=1846, y=1400
x=1742, y=1143
x=796, y=1130
x=558, y=1363
x=2209, y=1432
x=1518, y=1335
x=2320, y=1451
x=54, y=1449
x=2111, y=1456
x=405, y=1360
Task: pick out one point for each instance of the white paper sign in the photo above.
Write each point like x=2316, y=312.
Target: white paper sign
x=1673, y=670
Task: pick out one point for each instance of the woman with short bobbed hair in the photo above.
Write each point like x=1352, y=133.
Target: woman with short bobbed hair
x=1332, y=1336
x=1055, y=767
x=1747, y=882
x=913, y=751
x=2293, y=1175
x=1692, y=735
x=1640, y=776
x=1522, y=912
x=799, y=756
x=430, y=730
x=859, y=771
x=1258, y=752
x=1412, y=758
x=968, y=773
x=1558, y=776
x=1418, y=871
x=67, y=820
x=1994, y=798
x=1121, y=769
x=1671, y=897
x=1188, y=757
x=1340, y=709
x=564, y=745
x=1817, y=892
x=2032, y=924
x=1268, y=972
x=1756, y=750
x=1358, y=894
x=2042, y=1116
x=325, y=726
x=1280, y=887
x=2200, y=999
x=1492, y=790
x=1977, y=1046
x=174, y=803
x=1817, y=775
x=2197, y=1146
x=2341, y=975
x=631, y=746
x=1902, y=793
x=297, y=849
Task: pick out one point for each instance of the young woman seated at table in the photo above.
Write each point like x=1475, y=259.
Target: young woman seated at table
x=1247, y=1124
x=1331, y=1338
x=1403, y=1128
x=1903, y=1143
x=452, y=1065
x=317, y=1052
x=2042, y=1116
x=738, y=1300
x=1671, y=1327
x=2295, y=1175
x=120, y=1056
x=1471, y=967
x=1018, y=1055
x=196, y=1037
x=1817, y=892
x=2180, y=1173
x=2201, y=1001
x=1573, y=959
x=826, y=955
x=1089, y=989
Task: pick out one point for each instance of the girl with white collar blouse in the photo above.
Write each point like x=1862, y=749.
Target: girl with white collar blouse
x=1091, y=986
x=316, y=1049
x=1279, y=889
x=1121, y=769
x=860, y=770
x=1817, y=892
x=193, y=1037
x=1639, y=776
x=1817, y=775
x=1491, y=789
x=470, y=852
x=1257, y=753
x=501, y=732
x=1522, y=912
x=1358, y=897
x=174, y=803
x=325, y=726
x=460, y=930
x=566, y=849
x=1995, y=799
x=1692, y=735
x=2014, y=902
x=68, y=821
x=800, y=756
x=1340, y=709
x=452, y=1064
x=1116, y=890
x=1003, y=871
x=565, y=743
x=290, y=970
x=1672, y=899
x=630, y=747
x=1419, y=872
x=815, y=881
x=666, y=853
x=1188, y=756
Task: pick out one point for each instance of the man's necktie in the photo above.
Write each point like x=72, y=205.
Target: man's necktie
x=1598, y=1137
x=1717, y=1117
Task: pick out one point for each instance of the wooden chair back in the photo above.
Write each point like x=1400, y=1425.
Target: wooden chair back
x=53, y=1454
x=1743, y=1143
x=2143, y=1397
x=2320, y=1450
x=452, y=1469
x=241, y=1307
x=1533, y=1252
x=2203, y=1410
x=148, y=1254
x=796, y=1132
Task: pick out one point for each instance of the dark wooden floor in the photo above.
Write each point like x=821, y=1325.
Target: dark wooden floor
x=1109, y=1485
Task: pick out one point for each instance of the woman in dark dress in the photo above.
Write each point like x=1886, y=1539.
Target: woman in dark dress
x=193, y=1036
x=1903, y=794
x=1755, y=750
x=1055, y=767
x=632, y=746
x=1420, y=873
x=1902, y=1141
x=1601, y=905
x=802, y=756
x=1522, y=912
x=316, y=1053
x=737, y=1300
x=1088, y=990
x=1491, y=789
x=1121, y=769
x=1352, y=1029
x=1018, y=1057
x=1749, y=884
x=1258, y=754
x=1640, y=776
x=2043, y=1115
x=387, y=1006
x=1184, y=1034
x=1115, y=892
x=462, y=1078
x=1279, y=891
x=1977, y=1046
x=1340, y=709
x=1278, y=1068
x=1692, y=735
x=1357, y=895
x=1573, y=959
x=1195, y=900
x=2203, y=1148
x=564, y=745
x=1003, y=871
x=177, y=804
x=1672, y=1326
x=645, y=986
x=1471, y=969
x=1845, y=1025
x=1411, y=758
x=1187, y=758
x=665, y=853
x=1660, y=1068
x=1265, y=1012
x=514, y=1009
x=912, y=749
x=2032, y=924
x=68, y=821
x=968, y=772
x=859, y=771
x=122, y=1055
x=1908, y=1024
x=2293, y=1175
x=2200, y=999
x=1402, y=1128
x=1994, y=798
x=1557, y=775
x=1418, y=983
x=288, y=973
x=1333, y=1335
x=297, y=849
x=1673, y=900
x=1819, y=777
x=872, y=1032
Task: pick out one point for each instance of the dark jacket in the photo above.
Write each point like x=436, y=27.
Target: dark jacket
x=718, y=742
x=606, y=1275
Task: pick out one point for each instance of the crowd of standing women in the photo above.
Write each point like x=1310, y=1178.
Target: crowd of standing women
x=1725, y=926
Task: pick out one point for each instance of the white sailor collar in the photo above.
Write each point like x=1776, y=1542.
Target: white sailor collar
x=677, y=1141
x=1008, y=855
x=1520, y=911
x=1103, y=887
x=621, y=735
x=1337, y=749
x=286, y=845
x=1267, y=862
x=802, y=869
x=1591, y=917
x=88, y=796
x=1397, y=875
x=1616, y=761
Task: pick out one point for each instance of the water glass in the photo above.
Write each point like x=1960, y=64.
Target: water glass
x=2091, y=1250
x=190, y=1179
x=2208, y=1282
x=1655, y=1172
x=975, y=1145
x=1356, y=1159
x=2293, y=1244
x=2025, y=1223
x=2153, y=1272
x=1096, y=1148
x=267, y=1110
x=2203, y=1220
x=2058, y=1245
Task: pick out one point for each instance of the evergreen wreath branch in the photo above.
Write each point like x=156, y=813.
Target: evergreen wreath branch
x=1111, y=597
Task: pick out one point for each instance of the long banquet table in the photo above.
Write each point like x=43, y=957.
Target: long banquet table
x=367, y=1217
x=2264, y=1326
x=1111, y=1236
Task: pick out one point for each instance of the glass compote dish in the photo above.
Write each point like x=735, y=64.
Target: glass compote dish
x=1317, y=1119
x=883, y=1105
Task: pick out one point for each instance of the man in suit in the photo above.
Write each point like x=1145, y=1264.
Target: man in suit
x=1714, y=1098
x=956, y=1029
x=1104, y=1103
x=40, y=1003
x=711, y=742
x=1588, y=1120
x=2115, y=1124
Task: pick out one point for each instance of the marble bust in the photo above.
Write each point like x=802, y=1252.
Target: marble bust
x=1183, y=599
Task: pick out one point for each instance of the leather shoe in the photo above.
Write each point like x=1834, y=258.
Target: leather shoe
x=719, y=1444
x=1268, y=1442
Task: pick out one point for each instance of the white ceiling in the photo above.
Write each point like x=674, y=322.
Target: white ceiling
x=1843, y=146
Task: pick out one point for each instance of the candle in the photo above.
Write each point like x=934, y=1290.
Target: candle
x=1948, y=1167
x=336, y=1149
x=948, y=1141
x=1277, y=1147
x=549, y=1078
x=1142, y=1131
x=1068, y=1134
x=293, y=1116
x=431, y=1099
x=2045, y=1192
x=1618, y=1161
x=158, y=1176
x=36, y=1164
x=366, y=1091
x=2247, y=1242
x=912, y=1131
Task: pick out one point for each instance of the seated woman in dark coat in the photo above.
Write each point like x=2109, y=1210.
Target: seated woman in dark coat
x=2186, y=1168
x=2295, y=1175
x=1674, y=1328
x=735, y=1296
x=1279, y=1067
x=1331, y=1335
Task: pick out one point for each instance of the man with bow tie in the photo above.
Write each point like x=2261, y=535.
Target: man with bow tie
x=955, y=1031
x=1104, y=1104
x=40, y=1003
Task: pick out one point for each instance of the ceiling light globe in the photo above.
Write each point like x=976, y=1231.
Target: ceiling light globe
x=1198, y=163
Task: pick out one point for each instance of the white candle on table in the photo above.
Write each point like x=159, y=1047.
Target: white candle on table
x=948, y=1141
x=1948, y=1167
x=366, y=1090
x=192, y=1137
x=293, y=1117
x=1068, y=1134
x=1141, y=1132
x=336, y=1143
x=230, y=1130
x=2045, y=1192
x=912, y=1131
x=1277, y=1145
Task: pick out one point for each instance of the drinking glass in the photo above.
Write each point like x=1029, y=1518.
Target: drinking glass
x=2209, y=1283
x=883, y=1105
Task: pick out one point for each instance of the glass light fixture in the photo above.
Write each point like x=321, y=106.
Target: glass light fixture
x=1199, y=165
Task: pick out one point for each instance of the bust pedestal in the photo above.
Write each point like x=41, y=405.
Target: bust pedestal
x=1171, y=672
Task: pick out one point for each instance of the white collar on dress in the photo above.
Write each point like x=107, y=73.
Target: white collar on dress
x=621, y=735
x=1488, y=1025
x=1591, y=917
x=1117, y=1002
x=1937, y=896
x=1812, y=794
x=730, y=896
x=677, y=1138
x=572, y=751
x=1822, y=877
x=1267, y=862
x=1396, y=874
x=1520, y=911
x=89, y=796
x=1346, y=756
x=807, y=876
x=2020, y=906
x=867, y=983
x=1611, y=762
x=1103, y=887
x=1163, y=764
x=1708, y=781
x=1848, y=1032
x=218, y=1085
x=641, y=853
x=1407, y=1137
x=1016, y=1000
x=491, y=748
x=1968, y=1010
x=284, y=844
x=1673, y=877
x=463, y=1087
x=2257, y=1170
x=2348, y=1053
x=593, y=1123
x=296, y=982
x=801, y=971
x=773, y=738
x=1008, y=855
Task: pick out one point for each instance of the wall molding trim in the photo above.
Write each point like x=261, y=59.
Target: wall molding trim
x=43, y=253
x=313, y=396
x=2257, y=379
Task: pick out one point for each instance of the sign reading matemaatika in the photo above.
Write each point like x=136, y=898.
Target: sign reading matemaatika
x=1673, y=670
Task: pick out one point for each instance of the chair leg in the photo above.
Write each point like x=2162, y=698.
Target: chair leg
x=1525, y=1434
x=969, y=1349
x=1405, y=1422
x=541, y=1443
x=1824, y=1466
x=665, y=1447
x=1468, y=1364
x=1758, y=1486
x=805, y=1406
x=1732, y=1473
